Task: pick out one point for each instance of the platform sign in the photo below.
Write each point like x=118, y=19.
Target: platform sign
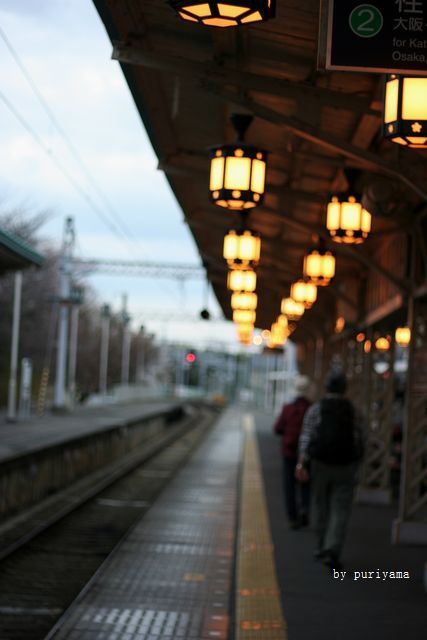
x=380, y=36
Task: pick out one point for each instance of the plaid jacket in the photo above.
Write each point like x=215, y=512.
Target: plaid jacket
x=311, y=423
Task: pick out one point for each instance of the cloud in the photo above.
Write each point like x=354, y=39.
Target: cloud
x=36, y=8
x=64, y=46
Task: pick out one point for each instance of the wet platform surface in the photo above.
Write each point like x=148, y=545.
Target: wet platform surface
x=172, y=575
x=187, y=571
x=25, y=437
x=316, y=606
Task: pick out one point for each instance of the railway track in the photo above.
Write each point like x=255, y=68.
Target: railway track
x=43, y=571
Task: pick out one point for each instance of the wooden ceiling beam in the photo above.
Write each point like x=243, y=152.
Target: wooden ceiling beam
x=135, y=52
x=321, y=138
x=354, y=253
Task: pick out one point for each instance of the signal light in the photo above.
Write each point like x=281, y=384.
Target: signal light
x=190, y=358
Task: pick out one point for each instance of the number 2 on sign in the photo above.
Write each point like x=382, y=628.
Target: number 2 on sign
x=366, y=20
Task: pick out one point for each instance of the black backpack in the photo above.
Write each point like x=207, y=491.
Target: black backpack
x=335, y=441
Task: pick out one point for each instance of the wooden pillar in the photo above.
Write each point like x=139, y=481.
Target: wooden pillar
x=411, y=525
x=375, y=487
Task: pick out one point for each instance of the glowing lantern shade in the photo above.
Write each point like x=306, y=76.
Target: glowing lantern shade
x=278, y=335
x=382, y=344
x=224, y=13
x=403, y=336
x=291, y=309
x=405, y=111
x=241, y=280
x=348, y=222
x=319, y=267
x=241, y=316
x=304, y=292
x=245, y=331
x=282, y=321
x=339, y=324
x=242, y=249
x=242, y=300
x=237, y=177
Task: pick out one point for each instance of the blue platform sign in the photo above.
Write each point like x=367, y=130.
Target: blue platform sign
x=380, y=36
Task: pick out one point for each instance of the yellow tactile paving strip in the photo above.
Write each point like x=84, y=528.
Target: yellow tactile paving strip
x=259, y=612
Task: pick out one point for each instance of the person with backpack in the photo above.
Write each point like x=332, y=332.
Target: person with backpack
x=332, y=439
x=289, y=425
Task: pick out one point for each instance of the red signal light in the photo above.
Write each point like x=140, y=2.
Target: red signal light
x=190, y=358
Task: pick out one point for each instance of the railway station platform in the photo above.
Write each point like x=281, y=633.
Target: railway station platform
x=213, y=557
x=38, y=433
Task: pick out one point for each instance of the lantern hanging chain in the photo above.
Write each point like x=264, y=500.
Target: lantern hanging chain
x=241, y=123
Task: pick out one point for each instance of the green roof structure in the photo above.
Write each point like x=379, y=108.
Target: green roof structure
x=15, y=254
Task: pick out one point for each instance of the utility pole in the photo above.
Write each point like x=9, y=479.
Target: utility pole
x=105, y=339
x=126, y=342
x=64, y=301
x=140, y=356
x=76, y=299
x=11, y=403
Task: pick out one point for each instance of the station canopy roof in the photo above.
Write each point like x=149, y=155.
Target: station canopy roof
x=322, y=132
x=16, y=254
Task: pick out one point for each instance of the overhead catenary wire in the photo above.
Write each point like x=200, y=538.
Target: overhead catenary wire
x=86, y=197
x=116, y=225
x=71, y=147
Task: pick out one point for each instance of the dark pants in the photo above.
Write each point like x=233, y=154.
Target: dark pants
x=333, y=487
x=297, y=495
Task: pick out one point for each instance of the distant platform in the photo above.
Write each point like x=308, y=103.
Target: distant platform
x=24, y=437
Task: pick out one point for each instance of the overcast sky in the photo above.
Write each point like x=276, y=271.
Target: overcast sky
x=65, y=49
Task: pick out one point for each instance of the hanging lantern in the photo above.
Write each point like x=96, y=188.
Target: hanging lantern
x=405, y=111
x=367, y=346
x=242, y=249
x=241, y=280
x=282, y=321
x=348, y=222
x=245, y=329
x=403, y=336
x=304, y=292
x=241, y=316
x=278, y=335
x=224, y=13
x=291, y=309
x=339, y=324
x=382, y=344
x=237, y=178
x=319, y=266
x=247, y=301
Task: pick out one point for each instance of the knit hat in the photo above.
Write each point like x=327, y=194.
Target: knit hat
x=302, y=385
x=336, y=381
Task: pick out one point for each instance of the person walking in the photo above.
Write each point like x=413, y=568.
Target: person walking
x=289, y=425
x=332, y=439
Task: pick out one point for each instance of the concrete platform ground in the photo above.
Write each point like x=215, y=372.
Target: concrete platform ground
x=201, y=564
x=318, y=607
x=24, y=437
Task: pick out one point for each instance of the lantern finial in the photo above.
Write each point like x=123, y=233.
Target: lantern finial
x=241, y=123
